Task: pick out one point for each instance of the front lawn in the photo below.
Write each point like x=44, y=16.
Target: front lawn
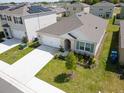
x=103, y=78
x=14, y=54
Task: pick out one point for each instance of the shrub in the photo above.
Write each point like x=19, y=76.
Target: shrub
x=62, y=57
x=34, y=44
x=24, y=40
x=56, y=56
x=92, y=60
x=35, y=40
x=22, y=46
x=1, y=40
x=61, y=49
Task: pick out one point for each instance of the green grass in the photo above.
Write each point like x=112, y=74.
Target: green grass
x=14, y=54
x=111, y=27
x=102, y=78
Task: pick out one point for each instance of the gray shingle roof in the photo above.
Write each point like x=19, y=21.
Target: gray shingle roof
x=80, y=4
x=122, y=34
x=63, y=26
x=104, y=3
x=89, y=25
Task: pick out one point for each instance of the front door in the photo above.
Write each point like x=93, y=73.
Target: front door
x=107, y=15
x=67, y=43
x=6, y=33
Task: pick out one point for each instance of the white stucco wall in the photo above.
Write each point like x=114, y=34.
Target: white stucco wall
x=38, y=22
x=87, y=9
x=98, y=44
x=13, y=26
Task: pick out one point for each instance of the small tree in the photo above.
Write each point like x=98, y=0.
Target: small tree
x=71, y=62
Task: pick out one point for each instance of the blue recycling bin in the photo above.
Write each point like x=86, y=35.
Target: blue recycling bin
x=114, y=56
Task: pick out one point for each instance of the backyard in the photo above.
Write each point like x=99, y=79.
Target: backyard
x=103, y=78
x=14, y=54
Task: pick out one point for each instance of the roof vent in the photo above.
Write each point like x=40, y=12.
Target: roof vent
x=96, y=27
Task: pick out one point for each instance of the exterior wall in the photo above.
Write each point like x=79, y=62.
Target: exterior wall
x=13, y=26
x=122, y=12
x=83, y=51
x=99, y=44
x=121, y=56
x=121, y=51
x=1, y=28
x=38, y=22
x=78, y=8
x=87, y=10
x=102, y=10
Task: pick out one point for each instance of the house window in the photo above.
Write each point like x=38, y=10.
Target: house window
x=82, y=8
x=80, y=45
x=20, y=20
x=17, y=20
x=89, y=47
x=100, y=9
x=74, y=8
x=85, y=46
x=9, y=18
x=3, y=17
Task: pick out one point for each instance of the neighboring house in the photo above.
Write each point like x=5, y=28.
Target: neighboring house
x=24, y=20
x=59, y=11
x=103, y=9
x=76, y=7
x=122, y=10
x=1, y=30
x=121, y=43
x=82, y=32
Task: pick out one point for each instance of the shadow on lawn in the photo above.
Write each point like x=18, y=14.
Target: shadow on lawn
x=113, y=67
x=62, y=78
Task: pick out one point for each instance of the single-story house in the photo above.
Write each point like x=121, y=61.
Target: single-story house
x=121, y=43
x=82, y=32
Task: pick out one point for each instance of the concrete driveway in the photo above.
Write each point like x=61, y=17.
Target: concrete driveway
x=8, y=44
x=26, y=68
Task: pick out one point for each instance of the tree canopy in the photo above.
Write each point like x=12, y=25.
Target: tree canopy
x=71, y=61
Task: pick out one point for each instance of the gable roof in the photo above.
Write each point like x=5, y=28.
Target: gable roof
x=122, y=34
x=104, y=3
x=80, y=4
x=87, y=24
x=63, y=26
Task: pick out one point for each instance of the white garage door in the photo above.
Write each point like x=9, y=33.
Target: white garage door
x=51, y=41
x=18, y=34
